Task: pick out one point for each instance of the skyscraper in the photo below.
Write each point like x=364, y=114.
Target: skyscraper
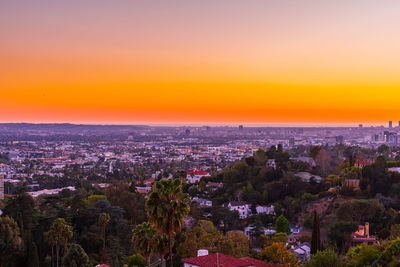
x=390, y=124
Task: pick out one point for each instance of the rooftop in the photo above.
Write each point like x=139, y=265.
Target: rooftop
x=221, y=260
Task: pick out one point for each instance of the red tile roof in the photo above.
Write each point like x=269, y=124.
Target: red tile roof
x=218, y=260
x=149, y=181
x=363, y=162
x=255, y=263
x=197, y=172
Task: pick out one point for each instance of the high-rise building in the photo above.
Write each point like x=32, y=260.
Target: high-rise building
x=392, y=139
x=399, y=123
x=390, y=124
x=1, y=186
x=360, y=126
x=240, y=127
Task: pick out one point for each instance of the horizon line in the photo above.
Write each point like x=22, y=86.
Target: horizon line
x=204, y=124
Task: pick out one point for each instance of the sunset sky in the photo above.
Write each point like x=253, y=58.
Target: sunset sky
x=200, y=61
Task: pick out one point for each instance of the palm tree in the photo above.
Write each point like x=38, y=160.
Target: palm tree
x=104, y=219
x=60, y=232
x=161, y=247
x=52, y=241
x=167, y=207
x=144, y=239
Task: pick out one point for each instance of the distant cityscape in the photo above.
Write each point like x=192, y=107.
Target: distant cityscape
x=264, y=186
x=52, y=148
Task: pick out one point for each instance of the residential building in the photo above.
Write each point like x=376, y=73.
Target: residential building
x=194, y=175
x=266, y=209
x=362, y=236
x=271, y=163
x=352, y=183
x=202, y=202
x=214, y=185
x=222, y=260
x=143, y=189
x=359, y=163
x=302, y=251
x=243, y=208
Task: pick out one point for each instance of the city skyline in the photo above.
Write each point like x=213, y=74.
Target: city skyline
x=275, y=63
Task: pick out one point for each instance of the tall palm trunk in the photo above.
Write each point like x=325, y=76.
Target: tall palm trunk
x=65, y=248
x=52, y=256
x=58, y=252
x=104, y=237
x=170, y=249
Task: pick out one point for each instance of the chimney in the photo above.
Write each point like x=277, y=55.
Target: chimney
x=366, y=233
x=202, y=252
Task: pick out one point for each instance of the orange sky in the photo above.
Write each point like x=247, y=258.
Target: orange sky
x=200, y=62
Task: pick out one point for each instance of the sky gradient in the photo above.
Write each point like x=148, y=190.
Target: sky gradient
x=200, y=61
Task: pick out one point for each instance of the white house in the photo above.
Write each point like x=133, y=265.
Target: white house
x=240, y=206
x=202, y=202
x=303, y=252
x=271, y=163
x=295, y=229
x=269, y=231
x=266, y=209
x=194, y=175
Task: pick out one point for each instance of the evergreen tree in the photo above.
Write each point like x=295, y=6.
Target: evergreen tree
x=10, y=240
x=315, y=238
x=282, y=225
x=76, y=257
x=324, y=258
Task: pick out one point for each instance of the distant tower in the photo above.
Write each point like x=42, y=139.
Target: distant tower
x=1, y=186
x=187, y=132
x=240, y=127
x=399, y=123
x=110, y=167
x=390, y=124
x=360, y=126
